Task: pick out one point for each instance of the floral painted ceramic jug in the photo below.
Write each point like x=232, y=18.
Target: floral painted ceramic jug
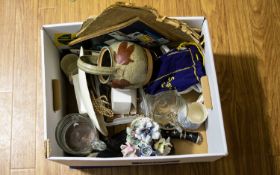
x=121, y=65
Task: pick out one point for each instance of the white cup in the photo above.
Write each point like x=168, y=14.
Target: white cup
x=196, y=114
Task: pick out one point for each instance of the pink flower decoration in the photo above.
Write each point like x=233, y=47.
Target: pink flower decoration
x=128, y=150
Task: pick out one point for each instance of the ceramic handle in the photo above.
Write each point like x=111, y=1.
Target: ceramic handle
x=200, y=99
x=83, y=64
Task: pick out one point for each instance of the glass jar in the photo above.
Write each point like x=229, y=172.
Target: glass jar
x=166, y=107
x=75, y=134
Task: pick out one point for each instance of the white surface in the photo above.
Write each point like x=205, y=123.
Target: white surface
x=62, y=28
x=96, y=162
x=88, y=104
x=80, y=104
x=122, y=99
x=215, y=125
x=86, y=98
x=51, y=70
x=193, y=21
x=217, y=146
x=123, y=119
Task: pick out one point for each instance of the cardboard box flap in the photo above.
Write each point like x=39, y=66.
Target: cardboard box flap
x=47, y=148
x=206, y=92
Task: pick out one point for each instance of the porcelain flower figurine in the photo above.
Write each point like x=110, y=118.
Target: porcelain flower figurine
x=163, y=146
x=129, y=150
x=146, y=150
x=130, y=138
x=147, y=130
x=142, y=134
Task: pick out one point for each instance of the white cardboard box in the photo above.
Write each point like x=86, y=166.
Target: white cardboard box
x=217, y=146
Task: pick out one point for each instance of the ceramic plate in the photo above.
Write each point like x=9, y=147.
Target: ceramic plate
x=97, y=120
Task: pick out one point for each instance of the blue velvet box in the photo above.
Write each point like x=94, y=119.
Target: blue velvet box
x=179, y=69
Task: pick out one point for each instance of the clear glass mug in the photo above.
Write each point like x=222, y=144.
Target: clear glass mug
x=76, y=135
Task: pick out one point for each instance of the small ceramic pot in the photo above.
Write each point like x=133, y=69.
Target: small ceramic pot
x=121, y=65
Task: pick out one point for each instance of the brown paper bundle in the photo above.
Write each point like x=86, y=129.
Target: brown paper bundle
x=121, y=15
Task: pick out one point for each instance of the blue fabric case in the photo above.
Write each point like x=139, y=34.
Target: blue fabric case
x=177, y=70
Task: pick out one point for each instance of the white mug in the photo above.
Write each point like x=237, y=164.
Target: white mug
x=196, y=114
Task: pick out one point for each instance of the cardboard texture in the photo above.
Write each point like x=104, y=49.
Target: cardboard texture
x=187, y=147
x=56, y=94
x=206, y=92
x=47, y=148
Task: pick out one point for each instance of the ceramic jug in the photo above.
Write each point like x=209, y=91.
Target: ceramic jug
x=121, y=65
